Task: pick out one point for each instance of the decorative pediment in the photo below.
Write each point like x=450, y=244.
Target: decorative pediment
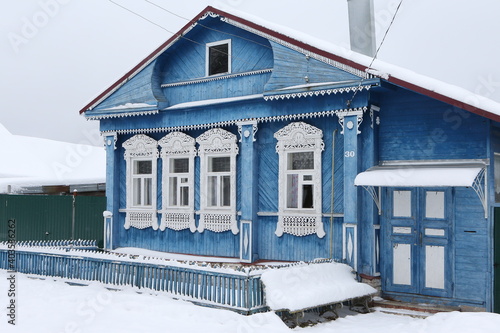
x=177, y=143
x=217, y=140
x=140, y=145
x=299, y=135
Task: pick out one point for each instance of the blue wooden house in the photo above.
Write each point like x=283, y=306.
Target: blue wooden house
x=236, y=140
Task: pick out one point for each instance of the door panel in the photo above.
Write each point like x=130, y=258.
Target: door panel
x=418, y=230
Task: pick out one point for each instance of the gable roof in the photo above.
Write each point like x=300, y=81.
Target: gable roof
x=433, y=88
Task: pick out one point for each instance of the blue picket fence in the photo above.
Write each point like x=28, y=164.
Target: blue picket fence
x=239, y=292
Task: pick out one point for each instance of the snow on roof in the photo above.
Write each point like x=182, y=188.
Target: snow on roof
x=419, y=176
x=29, y=161
x=442, y=91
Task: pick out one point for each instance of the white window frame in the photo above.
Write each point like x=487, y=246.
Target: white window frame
x=217, y=143
x=140, y=147
x=177, y=145
x=295, y=138
x=207, y=56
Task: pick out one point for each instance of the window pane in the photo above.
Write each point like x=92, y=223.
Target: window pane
x=143, y=167
x=220, y=164
x=301, y=161
x=148, y=191
x=292, y=183
x=402, y=203
x=179, y=165
x=137, y=190
x=172, y=192
x=225, y=191
x=212, y=191
x=184, y=196
x=218, y=57
x=307, y=196
x=434, y=204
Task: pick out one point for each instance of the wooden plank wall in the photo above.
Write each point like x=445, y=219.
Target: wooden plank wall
x=414, y=127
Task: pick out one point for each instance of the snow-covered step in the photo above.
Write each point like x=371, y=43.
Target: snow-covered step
x=410, y=309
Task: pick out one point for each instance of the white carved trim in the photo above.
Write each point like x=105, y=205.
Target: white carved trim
x=217, y=142
x=177, y=220
x=300, y=225
x=109, y=139
x=177, y=145
x=296, y=137
x=122, y=115
x=248, y=133
x=141, y=219
x=140, y=147
x=216, y=78
x=350, y=244
x=286, y=117
x=316, y=92
x=359, y=116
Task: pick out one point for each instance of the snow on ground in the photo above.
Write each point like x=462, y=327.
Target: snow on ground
x=56, y=307
x=306, y=286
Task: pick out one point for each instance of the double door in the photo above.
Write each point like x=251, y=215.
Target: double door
x=417, y=231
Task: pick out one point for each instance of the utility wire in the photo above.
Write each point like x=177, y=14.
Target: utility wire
x=207, y=27
x=180, y=35
x=376, y=52
x=158, y=25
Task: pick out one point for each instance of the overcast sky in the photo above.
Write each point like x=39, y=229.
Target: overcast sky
x=57, y=55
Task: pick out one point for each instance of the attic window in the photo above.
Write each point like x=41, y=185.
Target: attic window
x=219, y=57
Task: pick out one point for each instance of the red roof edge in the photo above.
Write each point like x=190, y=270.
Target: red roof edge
x=305, y=46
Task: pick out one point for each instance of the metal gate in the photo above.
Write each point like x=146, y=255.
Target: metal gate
x=50, y=217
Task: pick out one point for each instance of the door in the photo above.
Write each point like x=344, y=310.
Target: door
x=496, y=240
x=417, y=232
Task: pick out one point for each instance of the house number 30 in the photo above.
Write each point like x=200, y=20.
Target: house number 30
x=349, y=153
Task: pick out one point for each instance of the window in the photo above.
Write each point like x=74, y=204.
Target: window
x=299, y=180
x=177, y=153
x=218, y=150
x=178, y=178
x=219, y=181
x=219, y=57
x=142, y=183
x=299, y=148
x=141, y=153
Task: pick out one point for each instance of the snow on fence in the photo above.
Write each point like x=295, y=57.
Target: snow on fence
x=240, y=291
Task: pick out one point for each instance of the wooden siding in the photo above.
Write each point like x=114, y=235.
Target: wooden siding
x=138, y=90
x=471, y=244
x=291, y=69
x=414, y=127
x=215, y=89
x=185, y=60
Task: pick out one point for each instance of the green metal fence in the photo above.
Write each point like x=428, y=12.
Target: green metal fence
x=50, y=217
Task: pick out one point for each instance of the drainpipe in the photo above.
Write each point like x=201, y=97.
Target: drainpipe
x=362, y=26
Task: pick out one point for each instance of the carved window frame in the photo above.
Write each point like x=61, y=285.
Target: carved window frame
x=217, y=143
x=140, y=147
x=177, y=145
x=298, y=137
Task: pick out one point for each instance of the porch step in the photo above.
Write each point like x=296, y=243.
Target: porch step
x=417, y=310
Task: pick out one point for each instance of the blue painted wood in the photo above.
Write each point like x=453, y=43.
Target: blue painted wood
x=291, y=69
x=139, y=89
x=220, y=289
x=414, y=127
